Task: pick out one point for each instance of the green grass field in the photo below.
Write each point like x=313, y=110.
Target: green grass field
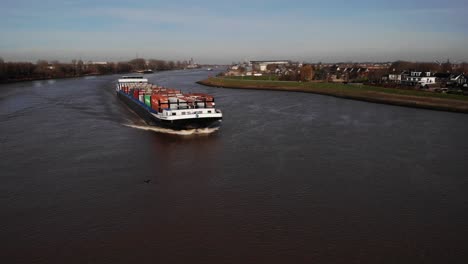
x=402, y=97
x=339, y=88
x=253, y=78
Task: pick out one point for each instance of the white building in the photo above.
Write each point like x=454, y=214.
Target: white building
x=99, y=63
x=262, y=65
x=395, y=77
x=419, y=78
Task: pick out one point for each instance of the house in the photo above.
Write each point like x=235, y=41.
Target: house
x=363, y=72
x=335, y=69
x=395, y=77
x=348, y=70
x=458, y=80
x=419, y=78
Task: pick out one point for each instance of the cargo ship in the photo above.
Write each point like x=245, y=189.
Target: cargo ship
x=166, y=107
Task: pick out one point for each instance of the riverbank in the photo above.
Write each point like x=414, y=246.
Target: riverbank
x=46, y=78
x=73, y=76
x=400, y=97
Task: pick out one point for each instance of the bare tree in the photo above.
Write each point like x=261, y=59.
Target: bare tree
x=463, y=68
x=376, y=75
x=79, y=67
x=42, y=69
x=123, y=67
x=307, y=73
x=157, y=65
x=446, y=67
x=171, y=65
x=138, y=64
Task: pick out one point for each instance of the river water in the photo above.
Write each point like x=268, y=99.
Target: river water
x=288, y=178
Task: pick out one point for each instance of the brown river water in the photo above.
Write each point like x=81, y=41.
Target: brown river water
x=288, y=178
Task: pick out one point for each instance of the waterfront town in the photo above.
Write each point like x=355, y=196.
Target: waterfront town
x=445, y=77
x=436, y=76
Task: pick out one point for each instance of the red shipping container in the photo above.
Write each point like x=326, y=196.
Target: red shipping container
x=159, y=101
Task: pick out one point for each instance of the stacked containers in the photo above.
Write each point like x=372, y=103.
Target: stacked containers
x=147, y=100
x=159, y=102
x=209, y=101
x=155, y=102
x=164, y=103
x=182, y=103
x=202, y=100
x=125, y=89
x=176, y=103
x=141, y=96
x=200, y=104
x=159, y=98
x=189, y=101
x=173, y=102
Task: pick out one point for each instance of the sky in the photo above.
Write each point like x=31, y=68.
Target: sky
x=229, y=31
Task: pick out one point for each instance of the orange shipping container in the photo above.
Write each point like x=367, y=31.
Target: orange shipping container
x=159, y=102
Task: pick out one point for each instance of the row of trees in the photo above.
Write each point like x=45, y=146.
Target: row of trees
x=54, y=69
x=156, y=65
x=304, y=74
x=399, y=66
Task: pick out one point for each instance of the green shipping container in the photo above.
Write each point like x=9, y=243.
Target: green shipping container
x=148, y=100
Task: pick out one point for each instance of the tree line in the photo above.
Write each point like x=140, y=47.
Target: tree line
x=42, y=69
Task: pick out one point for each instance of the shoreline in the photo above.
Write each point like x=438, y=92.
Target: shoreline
x=71, y=77
x=46, y=79
x=348, y=91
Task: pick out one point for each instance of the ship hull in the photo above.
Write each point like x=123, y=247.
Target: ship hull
x=183, y=124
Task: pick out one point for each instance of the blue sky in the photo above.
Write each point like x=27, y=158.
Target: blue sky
x=225, y=31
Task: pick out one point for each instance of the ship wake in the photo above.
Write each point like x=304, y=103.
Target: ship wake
x=186, y=132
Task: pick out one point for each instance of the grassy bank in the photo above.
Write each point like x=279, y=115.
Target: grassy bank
x=412, y=98
x=253, y=78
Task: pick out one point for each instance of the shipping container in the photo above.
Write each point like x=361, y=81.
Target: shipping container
x=141, y=96
x=160, y=102
x=148, y=100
